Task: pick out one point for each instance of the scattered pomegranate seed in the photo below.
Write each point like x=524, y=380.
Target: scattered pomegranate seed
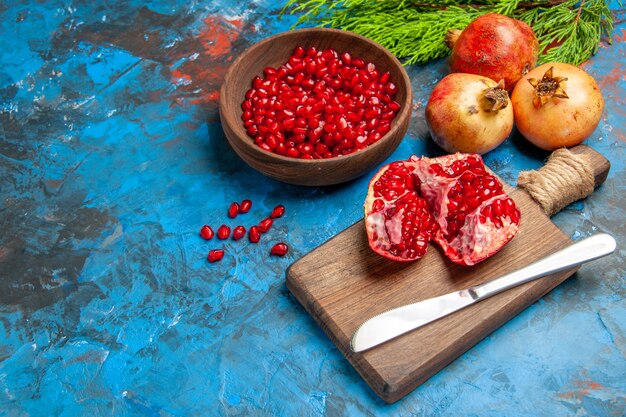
x=279, y=249
x=215, y=255
x=319, y=104
x=254, y=235
x=223, y=232
x=278, y=211
x=245, y=206
x=233, y=210
x=206, y=232
x=239, y=232
x=265, y=225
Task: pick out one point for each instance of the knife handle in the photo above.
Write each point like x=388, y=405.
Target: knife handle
x=586, y=250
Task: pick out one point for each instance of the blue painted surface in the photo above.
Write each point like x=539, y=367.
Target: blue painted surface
x=112, y=157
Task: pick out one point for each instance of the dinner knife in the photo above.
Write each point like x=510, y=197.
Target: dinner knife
x=398, y=321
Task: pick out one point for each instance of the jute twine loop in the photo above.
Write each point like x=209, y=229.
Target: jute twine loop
x=565, y=178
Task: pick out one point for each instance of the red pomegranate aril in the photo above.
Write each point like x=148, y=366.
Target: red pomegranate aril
x=245, y=206
x=394, y=105
x=279, y=249
x=271, y=141
x=305, y=148
x=239, y=232
x=296, y=139
x=293, y=153
x=298, y=52
x=281, y=149
x=265, y=225
x=223, y=232
x=358, y=62
x=233, y=210
x=215, y=255
x=388, y=115
x=254, y=235
x=206, y=232
x=278, y=211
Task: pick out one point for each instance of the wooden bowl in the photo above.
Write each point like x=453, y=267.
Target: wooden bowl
x=275, y=51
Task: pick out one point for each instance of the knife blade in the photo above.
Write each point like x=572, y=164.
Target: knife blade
x=398, y=321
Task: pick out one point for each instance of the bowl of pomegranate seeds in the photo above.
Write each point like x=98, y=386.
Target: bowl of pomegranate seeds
x=315, y=106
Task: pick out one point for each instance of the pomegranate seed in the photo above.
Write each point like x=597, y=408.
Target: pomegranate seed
x=279, y=249
x=239, y=232
x=265, y=225
x=245, y=206
x=233, y=210
x=215, y=255
x=278, y=211
x=206, y=232
x=298, y=52
x=254, y=235
x=223, y=232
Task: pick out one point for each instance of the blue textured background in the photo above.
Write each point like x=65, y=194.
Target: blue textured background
x=112, y=157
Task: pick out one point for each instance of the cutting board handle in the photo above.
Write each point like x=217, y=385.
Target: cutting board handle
x=568, y=175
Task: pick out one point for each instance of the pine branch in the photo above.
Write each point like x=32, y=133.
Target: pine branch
x=567, y=30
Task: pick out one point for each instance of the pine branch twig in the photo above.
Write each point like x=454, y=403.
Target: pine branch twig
x=567, y=30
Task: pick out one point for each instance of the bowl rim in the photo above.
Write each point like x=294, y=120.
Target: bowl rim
x=405, y=109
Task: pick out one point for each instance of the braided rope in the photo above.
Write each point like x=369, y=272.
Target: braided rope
x=565, y=178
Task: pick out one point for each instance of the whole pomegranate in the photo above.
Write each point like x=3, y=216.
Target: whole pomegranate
x=469, y=113
x=495, y=46
x=452, y=199
x=557, y=105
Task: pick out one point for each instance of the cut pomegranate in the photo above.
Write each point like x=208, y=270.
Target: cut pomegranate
x=254, y=235
x=239, y=232
x=265, y=225
x=398, y=223
x=451, y=199
x=206, y=232
x=476, y=217
x=279, y=249
x=233, y=210
x=245, y=206
x=223, y=232
x=278, y=211
x=215, y=255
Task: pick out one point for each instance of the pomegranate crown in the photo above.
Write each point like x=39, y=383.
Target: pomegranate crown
x=549, y=86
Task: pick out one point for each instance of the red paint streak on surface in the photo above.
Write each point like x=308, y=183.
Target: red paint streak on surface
x=219, y=35
x=201, y=77
x=612, y=77
x=582, y=389
x=622, y=38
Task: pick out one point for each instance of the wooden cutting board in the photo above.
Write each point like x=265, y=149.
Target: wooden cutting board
x=343, y=282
